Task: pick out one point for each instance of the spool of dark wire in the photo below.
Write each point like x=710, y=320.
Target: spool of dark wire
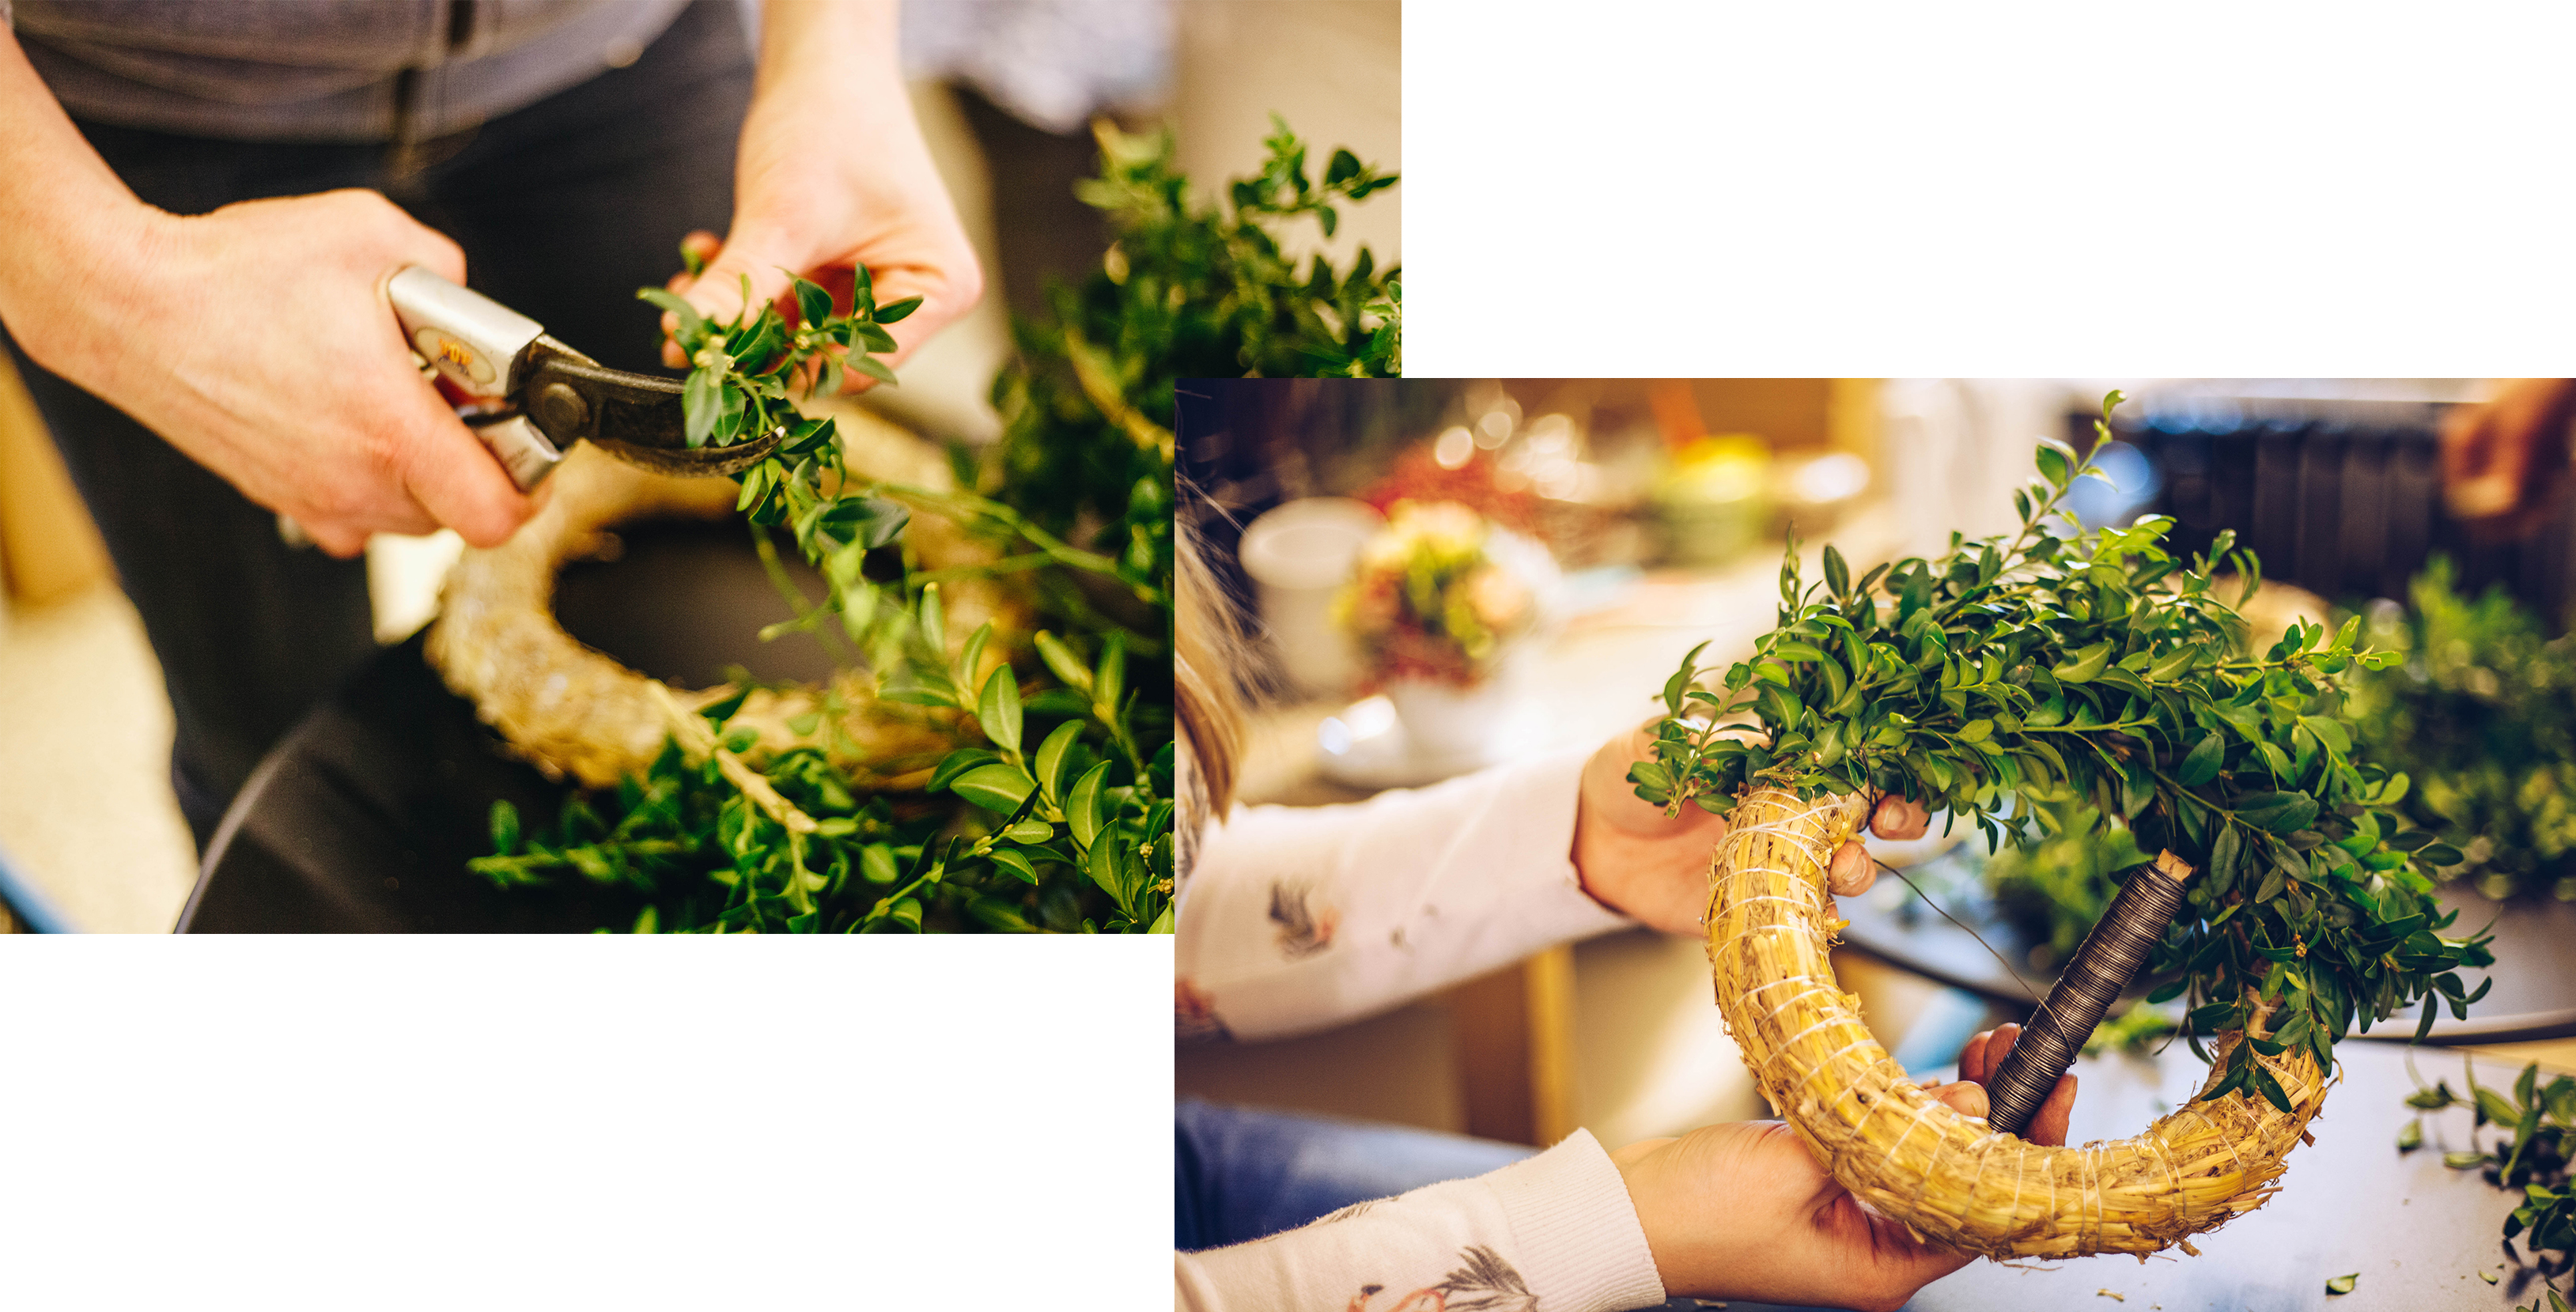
x=2101, y=969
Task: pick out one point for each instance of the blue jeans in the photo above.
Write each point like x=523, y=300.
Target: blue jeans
x=1242, y=1173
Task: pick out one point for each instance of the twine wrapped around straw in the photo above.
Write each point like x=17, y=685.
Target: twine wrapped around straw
x=574, y=711
x=1949, y=1177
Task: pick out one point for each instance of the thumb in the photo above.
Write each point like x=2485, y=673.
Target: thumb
x=1966, y=1097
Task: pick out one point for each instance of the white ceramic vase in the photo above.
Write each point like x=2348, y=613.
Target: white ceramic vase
x=1299, y=556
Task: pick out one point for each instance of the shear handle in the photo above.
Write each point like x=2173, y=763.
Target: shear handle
x=475, y=341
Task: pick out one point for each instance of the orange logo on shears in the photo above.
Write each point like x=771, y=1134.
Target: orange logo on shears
x=454, y=352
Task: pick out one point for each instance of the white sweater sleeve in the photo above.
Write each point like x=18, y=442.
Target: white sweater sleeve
x=1555, y=1233
x=1301, y=918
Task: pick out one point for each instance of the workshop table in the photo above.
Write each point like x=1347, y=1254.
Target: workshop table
x=2415, y=1232
x=2535, y=940
x=363, y=817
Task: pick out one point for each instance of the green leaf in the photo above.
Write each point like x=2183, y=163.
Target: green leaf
x=1061, y=660
x=2328, y=732
x=998, y=710
x=898, y=311
x=2086, y=665
x=2174, y=663
x=505, y=828
x=1110, y=680
x=1010, y=859
x=2342, y=1284
x=2412, y=1137
x=1102, y=865
x=2053, y=466
x=934, y=620
x=999, y=787
x=957, y=763
x=700, y=407
x=2493, y=1107
x=2201, y=764
x=2464, y=1161
x=692, y=325
x=2270, y=1088
x=1675, y=686
x=1082, y=808
x=860, y=362
x=1051, y=758
x=813, y=304
x=2226, y=857
x=2279, y=813
x=876, y=864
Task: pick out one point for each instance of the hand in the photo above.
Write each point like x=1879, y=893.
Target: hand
x=2502, y=461
x=1635, y=861
x=257, y=340
x=833, y=176
x=1742, y=1211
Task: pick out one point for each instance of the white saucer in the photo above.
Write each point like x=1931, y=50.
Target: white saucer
x=1365, y=747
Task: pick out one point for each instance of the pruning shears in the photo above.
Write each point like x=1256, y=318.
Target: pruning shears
x=530, y=397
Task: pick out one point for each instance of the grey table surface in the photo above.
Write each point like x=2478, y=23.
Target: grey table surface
x=2534, y=998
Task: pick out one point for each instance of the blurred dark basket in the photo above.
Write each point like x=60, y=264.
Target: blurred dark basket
x=2343, y=498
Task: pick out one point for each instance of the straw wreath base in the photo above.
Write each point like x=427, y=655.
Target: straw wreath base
x=571, y=710
x=1947, y=1176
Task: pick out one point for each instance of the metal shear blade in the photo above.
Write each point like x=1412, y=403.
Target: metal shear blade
x=550, y=395
x=634, y=417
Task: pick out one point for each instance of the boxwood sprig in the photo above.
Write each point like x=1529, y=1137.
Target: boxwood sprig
x=2063, y=663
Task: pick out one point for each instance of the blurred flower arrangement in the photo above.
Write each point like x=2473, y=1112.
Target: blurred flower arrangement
x=2482, y=716
x=1430, y=601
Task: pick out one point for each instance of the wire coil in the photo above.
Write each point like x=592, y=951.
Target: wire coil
x=2102, y=967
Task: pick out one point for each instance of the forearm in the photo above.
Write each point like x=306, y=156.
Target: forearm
x=1300, y=918
x=76, y=233
x=822, y=62
x=811, y=46
x=1554, y=1232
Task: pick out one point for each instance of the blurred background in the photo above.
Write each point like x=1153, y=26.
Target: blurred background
x=1624, y=522
x=1006, y=91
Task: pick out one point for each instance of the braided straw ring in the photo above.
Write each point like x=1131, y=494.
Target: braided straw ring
x=571, y=710
x=1909, y=1156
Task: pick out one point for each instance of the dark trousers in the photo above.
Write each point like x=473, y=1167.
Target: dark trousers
x=563, y=209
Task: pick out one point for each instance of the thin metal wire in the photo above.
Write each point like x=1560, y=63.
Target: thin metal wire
x=2005, y=961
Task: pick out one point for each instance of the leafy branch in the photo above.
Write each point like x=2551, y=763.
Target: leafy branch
x=2091, y=674
x=1073, y=834
x=2541, y=1120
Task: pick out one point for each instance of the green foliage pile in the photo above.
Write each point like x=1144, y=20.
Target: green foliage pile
x=2541, y=1122
x=2062, y=664
x=1061, y=819
x=2481, y=713
x=1188, y=290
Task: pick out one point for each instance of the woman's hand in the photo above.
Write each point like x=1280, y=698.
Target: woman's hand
x=1743, y=1210
x=834, y=176
x=1635, y=861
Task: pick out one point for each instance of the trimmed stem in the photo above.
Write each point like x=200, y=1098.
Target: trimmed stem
x=2101, y=969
